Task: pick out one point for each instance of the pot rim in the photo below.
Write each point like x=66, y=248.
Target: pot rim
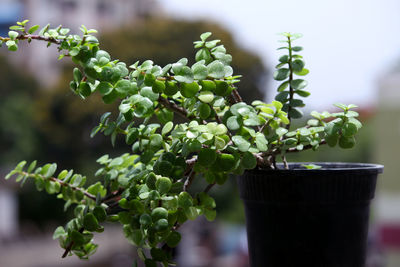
x=336, y=167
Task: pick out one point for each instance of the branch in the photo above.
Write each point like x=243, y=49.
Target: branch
x=62, y=183
x=293, y=149
x=189, y=180
x=174, y=107
x=70, y=245
x=236, y=96
x=112, y=195
x=33, y=37
x=208, y=188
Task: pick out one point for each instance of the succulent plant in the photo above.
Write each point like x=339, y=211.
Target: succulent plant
x=146, y=189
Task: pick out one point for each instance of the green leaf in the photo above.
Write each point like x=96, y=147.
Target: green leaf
x=206, y=96
x=207, y=85
x=221, y=87
x=13, y=35
x=281, y=131
x=51, y=170
x=132, y=136
x=351, y=114
x=204, y=111
x=123, y=86
x=296, y=103
x=352, y=106
x=156, y=141
x=298, y=65
x=163, y=185
x=84, y=89
x=249, y=161
x=302, y=72
x=207, y=157
x=252, y=121
x=283, y=86
x=191, y=213
x=171, y=88
x=158, y=86
x=185, y=75
x=97, y=188
x=77, y=238
x=349, y=129
x=189, y=89
x=284, y=59
x=261, y=142
x=311, y=166
x=341, y=106
x=281, y=74
x=219, y=142
x=297, y=48
x=33, y=29
x=225, y=162
x=216, y=69
x=332, y=139
x=116, y=162
x=346, y=142
x=295, y=113
x=242, y=144
x=31, y=167
x=278, y=105
x=167, y=128
x=185, y=200
x=173, y=239
x=302, y=93
x=149, y=93
x=200, y=71
x=282, y=96
x=298, y=84
x=205, y=35
x=59, y=232
x=204, y=54
x=100, y=213
x=90, y=222
x=234, y=123
x=210, y=214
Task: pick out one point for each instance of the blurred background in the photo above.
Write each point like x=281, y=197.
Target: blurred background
x=352, y=49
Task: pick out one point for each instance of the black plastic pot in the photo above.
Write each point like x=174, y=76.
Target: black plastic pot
x=313, y=218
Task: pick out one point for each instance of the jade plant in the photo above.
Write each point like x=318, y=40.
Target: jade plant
x=146, y=190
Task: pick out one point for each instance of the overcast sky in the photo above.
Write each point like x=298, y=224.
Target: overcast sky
x=349, y=44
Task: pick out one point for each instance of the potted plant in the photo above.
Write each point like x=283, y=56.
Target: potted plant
x=297, y=214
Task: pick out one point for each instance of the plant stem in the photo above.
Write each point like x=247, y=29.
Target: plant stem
x=62, y=183
x=291, y=91
x=208, y=188
x=189, y=180
x=237, y=96
x=174, y=107
x=70, y=245
x=33, y=37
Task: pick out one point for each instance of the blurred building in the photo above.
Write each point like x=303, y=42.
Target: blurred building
x=387, y=147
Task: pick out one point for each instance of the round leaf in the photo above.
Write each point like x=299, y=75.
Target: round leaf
x=189, y=89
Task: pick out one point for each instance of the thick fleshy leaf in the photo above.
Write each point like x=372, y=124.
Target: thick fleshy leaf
x=298, y=84
x=249, y=161
x=216, y=69
x=281, y=74
x=206, y=96
x=242, y=144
